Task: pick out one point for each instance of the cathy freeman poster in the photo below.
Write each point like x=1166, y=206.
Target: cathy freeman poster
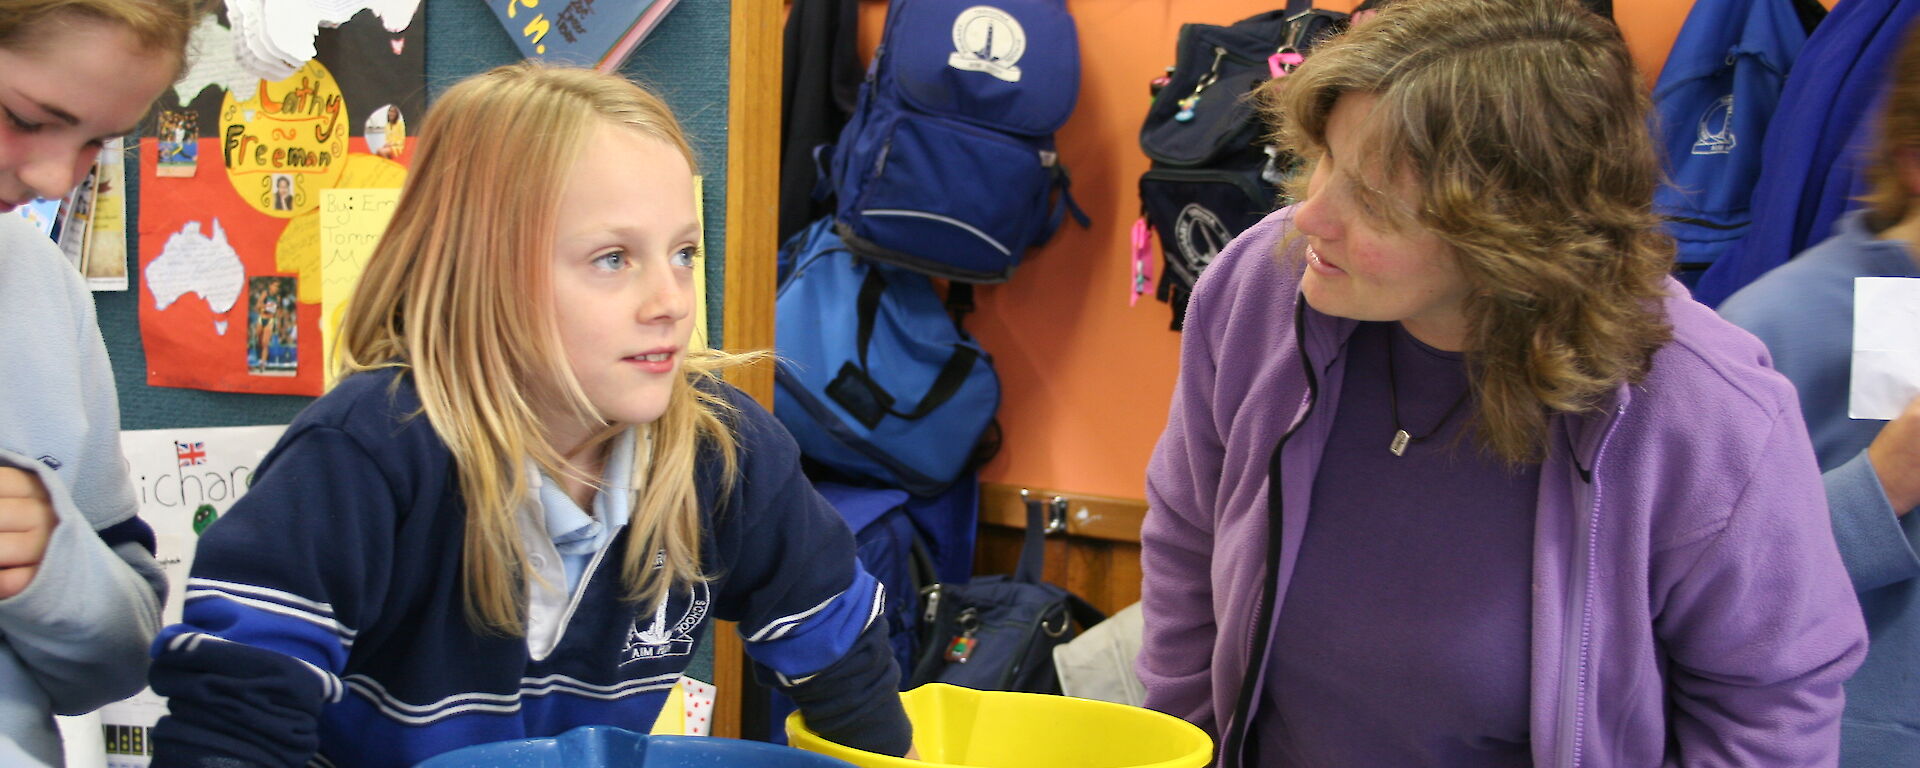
x=230, y=197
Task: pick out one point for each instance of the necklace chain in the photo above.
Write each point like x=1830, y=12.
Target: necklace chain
x=1401, y=437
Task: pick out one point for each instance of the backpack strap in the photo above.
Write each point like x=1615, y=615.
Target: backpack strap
x=1033, y=549
x=1064, y=204
x=1083, y=612
x=822, y=172
x=959, y=302
x=952, y=374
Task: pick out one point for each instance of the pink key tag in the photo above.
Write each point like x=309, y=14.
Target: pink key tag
x=1283, y=62
x=1142, y=260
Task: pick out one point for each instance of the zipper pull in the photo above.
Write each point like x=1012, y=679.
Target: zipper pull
x=962, y=647
x=931, y=594
x=1142, y=254
x=1290, y=53
x=1193, y=99
x=1284, y=62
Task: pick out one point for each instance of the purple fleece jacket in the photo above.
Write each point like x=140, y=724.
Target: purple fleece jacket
x=1689, y=605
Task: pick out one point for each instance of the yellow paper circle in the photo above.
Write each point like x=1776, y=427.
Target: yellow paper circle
x=287, y=143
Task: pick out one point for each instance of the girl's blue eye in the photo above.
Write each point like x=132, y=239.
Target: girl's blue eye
x=611, y=261
x=685, y=257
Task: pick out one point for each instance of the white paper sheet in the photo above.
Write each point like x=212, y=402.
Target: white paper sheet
x=1886, y=346
x=213, y=64
x=183, y=479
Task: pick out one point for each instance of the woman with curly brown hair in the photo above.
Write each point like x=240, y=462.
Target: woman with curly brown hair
x=1454, y=474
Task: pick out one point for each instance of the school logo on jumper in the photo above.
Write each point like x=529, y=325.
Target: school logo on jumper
x=661, y=639
x=1200, y=235
x=1716, y=129
x=987, y=39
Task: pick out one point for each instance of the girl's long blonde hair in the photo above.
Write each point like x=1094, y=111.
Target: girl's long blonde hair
x=1523, y=126
x=457, y=295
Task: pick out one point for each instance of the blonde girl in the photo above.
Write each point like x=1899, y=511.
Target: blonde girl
x=530, y=494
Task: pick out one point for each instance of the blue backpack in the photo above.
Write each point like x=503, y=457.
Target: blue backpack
x=948, y=164
x=885, y=389
x=891, y=549
x=908, y=543
x=1713, y=102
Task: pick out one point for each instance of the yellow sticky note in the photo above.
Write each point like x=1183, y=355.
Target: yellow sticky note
x=673, y=714
x=351, y=222
x=700, y=271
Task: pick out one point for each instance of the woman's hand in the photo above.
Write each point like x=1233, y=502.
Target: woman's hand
x=1895, y=455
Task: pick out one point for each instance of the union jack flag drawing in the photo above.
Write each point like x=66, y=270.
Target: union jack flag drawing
x=191, y=453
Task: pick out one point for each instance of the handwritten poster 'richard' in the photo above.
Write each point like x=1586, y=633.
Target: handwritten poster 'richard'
x=230, y=239
x=184, y=480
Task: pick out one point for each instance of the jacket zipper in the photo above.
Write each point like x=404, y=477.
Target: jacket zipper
x=1577, y=645
x=1235, y=740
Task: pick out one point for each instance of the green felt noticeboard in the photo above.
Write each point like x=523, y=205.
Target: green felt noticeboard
x=685, y=60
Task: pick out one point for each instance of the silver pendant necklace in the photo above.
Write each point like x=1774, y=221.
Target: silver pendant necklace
x=1401, y=437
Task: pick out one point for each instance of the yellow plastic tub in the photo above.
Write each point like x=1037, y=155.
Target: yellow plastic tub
x=963, y=728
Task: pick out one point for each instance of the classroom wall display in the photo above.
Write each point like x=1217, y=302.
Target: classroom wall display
x=584, y=33
x=232, y=183
x=685, y=60
x=184, y=479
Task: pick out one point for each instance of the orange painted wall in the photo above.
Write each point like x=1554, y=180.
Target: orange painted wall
x=1087, y=379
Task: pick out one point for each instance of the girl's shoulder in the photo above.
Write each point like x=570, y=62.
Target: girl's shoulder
x=383, y=396
x=380, y=410
x=756, y=433
x=765, y=454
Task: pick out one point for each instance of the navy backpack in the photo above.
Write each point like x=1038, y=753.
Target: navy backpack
x=1214, y=173
x=875, y=380
x=948, y=164
x=1713, y=102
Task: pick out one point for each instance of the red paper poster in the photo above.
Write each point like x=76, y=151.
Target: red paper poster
x=229, y=200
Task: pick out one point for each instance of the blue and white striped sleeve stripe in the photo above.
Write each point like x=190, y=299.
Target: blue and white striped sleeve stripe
x=178, y=638
x=270, y=619
x=797, y=645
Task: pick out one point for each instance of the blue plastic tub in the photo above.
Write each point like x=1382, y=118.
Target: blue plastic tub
x=601, y=746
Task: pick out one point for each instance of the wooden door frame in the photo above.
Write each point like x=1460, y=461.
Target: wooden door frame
x=753, y=203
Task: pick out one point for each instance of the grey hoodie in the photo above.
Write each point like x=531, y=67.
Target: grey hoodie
x=76, y=638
